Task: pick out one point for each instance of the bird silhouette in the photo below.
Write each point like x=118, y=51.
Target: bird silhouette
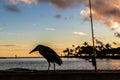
x=49, y=54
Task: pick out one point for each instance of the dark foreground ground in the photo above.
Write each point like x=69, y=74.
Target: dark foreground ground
x=25, y=74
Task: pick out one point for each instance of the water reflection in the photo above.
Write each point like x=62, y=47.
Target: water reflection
x=68, y=63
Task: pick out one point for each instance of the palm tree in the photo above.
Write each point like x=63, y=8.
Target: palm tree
x=85, y=44
x=68, y=51
x=108, y=46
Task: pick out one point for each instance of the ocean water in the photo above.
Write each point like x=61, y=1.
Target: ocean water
x=68, y=64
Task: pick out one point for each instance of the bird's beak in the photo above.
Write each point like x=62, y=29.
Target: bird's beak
x=33, y=51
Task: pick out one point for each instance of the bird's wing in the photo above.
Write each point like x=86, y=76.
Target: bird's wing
x=53, y=55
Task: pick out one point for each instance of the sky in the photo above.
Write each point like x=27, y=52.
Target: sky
x=56, y=23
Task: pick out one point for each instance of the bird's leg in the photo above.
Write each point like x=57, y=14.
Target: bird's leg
x=54, y=66
x=48, y=66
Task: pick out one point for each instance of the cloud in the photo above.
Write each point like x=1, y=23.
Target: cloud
x=59, y=4
x=11, y=8
x=85, y=14
x=50, y=29
x=79, y=33
x=104, y=11
x=22, y=1
x=7, y=45
x=117, y=34
x=35, y=25
x=20, y=46
x=64, y=4
x=98, y=41
x=115, y=43
x=58, y=16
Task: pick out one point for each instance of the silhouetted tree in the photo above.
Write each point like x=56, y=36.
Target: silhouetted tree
x=101, y=50
x=108, y=46
x=86, y=50
x=85, y=44
x=77, y=49
x=68, y=51
x=118, y=51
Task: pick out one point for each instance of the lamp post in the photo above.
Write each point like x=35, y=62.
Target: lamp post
x=94, y=52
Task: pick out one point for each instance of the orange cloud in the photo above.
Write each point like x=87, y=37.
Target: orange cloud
x=7, y=45
x=106, y=12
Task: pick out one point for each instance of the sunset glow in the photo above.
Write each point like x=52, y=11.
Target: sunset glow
x=56, y=23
